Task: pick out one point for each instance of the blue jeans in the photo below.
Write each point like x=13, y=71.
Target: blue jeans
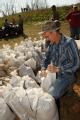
x=60, y=85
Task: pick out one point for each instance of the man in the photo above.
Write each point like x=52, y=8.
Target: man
x=55, y=16
x=20, y=23
x=74, y=20
x=61, y=57
x=55, y=13
x=6, y=27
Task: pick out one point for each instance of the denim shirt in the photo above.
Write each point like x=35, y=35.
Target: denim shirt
x=63, y=55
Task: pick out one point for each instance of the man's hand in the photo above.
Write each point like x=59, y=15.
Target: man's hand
x=53, y=68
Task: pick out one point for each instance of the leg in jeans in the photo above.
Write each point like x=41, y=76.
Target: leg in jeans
x=72, y=32
x=58, y=91
x=77, y=33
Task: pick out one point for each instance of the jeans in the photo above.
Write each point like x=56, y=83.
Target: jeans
x=75, y=32
x=60, y=85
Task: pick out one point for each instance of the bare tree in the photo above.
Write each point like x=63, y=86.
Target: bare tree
x=32, y=4
x=12, y=6
x=9, y=7
x=38, y=4
x=6, y=6
x=46, y=5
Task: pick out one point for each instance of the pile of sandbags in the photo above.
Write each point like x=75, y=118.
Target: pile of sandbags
x=23, y=95
x=14, y=99
x=5, y=112
x=3, y=70
x=40, y=105
x=33, y=103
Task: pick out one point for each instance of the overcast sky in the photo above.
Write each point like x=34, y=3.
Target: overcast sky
x=22, y=3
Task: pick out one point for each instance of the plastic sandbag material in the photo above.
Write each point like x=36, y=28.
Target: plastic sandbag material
x=40, y=105
x=48, y=82
x=31, y=63
x=28, y=54
x=4, y=90
x=5, y=112
x=25, y=70
x=29, y=82
x=16, y=62
x=37, y=57
x=15, y=81
x=39, y=77
x=14, y=102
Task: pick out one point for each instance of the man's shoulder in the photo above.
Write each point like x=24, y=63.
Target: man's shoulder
x=68, y=40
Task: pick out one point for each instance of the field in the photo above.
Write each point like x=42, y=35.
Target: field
x=32, y=30
x=70, y=103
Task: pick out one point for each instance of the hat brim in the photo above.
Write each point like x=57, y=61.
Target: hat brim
x=40, y=33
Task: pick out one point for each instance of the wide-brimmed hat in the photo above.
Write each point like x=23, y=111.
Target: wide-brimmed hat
x=51, y=26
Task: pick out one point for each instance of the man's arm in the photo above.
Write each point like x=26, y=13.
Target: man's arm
x=73, y=58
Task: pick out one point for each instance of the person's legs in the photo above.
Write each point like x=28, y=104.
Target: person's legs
x=72, y=32
x=60, y=86
x=58, y=91
x=76, y=33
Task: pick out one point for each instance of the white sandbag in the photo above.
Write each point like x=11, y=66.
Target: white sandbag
x=31, y=63
x=48, y=81
x=13, y=72
x=31, y=118
x=15, y=80
x=14, y=102
x=25, y=70
x=39, y=105
x=37, y=57
x=1, y=91
x=4, y=90
x=20, y=60
x=29, y=82
x=39, y=77
x=28, y=54
x=1, y=61
x=5, y=112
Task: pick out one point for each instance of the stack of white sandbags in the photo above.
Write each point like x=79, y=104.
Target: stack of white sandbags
x=4, y=90
x=26, y=99
x=33, y=103
x=25, y=70
x=15, y=81
x=5, y=112
x=24, y=82
x=14, y=99
x=31, y=63
x=39, y=105
x=29, y=82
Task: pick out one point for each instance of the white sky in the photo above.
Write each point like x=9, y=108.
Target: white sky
x=22, y=3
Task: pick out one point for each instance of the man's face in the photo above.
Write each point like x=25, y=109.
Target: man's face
x=52, y=36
